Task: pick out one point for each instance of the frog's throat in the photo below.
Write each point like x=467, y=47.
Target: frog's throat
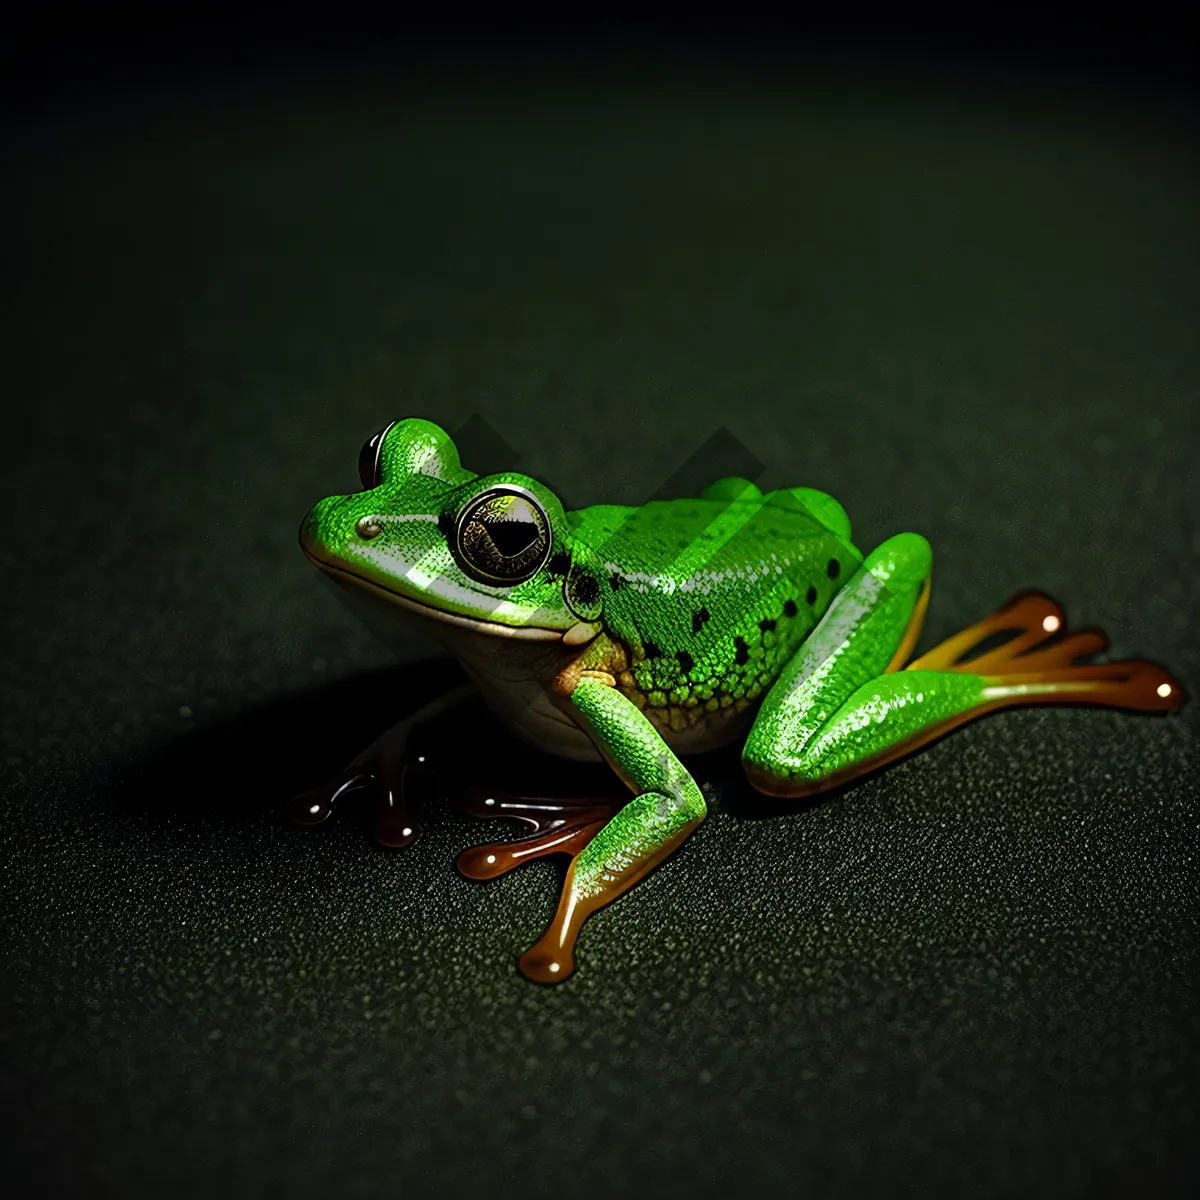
x=529, y=633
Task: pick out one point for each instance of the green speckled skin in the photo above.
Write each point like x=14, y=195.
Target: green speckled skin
x=712, y=596
x=856, y=644
x=638, y=632
x=668, y=800
x=883, y=713
x=666, y=807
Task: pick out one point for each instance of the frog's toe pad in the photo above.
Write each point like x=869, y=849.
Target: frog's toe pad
x=545, y=962
x=318, y=804
x=488, y=862
x=560, y=826
x=396, y=830
x=1131, y=683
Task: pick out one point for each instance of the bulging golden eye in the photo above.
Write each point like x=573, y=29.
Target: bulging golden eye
x=502, y=536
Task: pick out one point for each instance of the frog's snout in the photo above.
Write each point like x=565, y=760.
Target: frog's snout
x=313, y=539
x=308, y=540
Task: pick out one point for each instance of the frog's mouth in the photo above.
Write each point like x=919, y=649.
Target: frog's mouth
x=528, y=633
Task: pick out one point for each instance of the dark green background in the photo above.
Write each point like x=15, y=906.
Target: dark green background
x=964, y=308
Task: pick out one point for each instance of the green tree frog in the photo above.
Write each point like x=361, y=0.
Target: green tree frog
x=638, y=635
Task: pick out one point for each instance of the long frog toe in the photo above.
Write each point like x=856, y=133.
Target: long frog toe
x=498, y=858
x=1026, y=633
x=1039, y=661
x=559, y=826
x=394, y=824
x=318, y=804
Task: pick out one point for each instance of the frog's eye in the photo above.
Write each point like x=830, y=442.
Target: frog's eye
x=368, y=459
x=502, y=536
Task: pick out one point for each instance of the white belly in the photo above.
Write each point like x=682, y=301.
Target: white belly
x=524, y=707
x=513, y=675
x=513, y=679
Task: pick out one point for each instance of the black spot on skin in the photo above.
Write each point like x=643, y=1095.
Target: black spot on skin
x=741, y=652
x=615, y=580
x=446, y=526
x=833, y=569
x=789, y=608
x=559, y=564
x=698, y=619
x=812, y=596
x=686, y=662
x=585, y=589
x=652, y=651
x=767, y=625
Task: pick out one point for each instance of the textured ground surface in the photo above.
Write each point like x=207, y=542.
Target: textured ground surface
x=971, y=316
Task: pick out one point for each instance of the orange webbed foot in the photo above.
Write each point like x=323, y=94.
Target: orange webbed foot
x=1038, y=661
x=560, y=826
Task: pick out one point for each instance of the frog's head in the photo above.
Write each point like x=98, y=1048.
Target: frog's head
x=490, y=553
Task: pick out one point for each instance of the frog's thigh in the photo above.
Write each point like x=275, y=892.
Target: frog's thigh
x=869, y=630
x=883, y=719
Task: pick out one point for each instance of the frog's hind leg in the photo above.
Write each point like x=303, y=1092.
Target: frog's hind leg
x=560, y=826
x=822, y=726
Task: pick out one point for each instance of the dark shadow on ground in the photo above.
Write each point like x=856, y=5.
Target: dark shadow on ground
x=257, y=760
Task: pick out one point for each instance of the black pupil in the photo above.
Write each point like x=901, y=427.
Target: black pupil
x=511, y=537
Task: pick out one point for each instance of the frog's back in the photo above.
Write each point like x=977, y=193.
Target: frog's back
x=711, y=597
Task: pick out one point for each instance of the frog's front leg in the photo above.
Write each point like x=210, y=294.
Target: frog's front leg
x=666, y=807
x=844, y=707
x=384, y=765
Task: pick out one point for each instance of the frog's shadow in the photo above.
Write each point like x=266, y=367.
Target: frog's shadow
x=256, y=761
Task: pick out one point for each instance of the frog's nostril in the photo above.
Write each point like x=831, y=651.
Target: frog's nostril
x=368, y=528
